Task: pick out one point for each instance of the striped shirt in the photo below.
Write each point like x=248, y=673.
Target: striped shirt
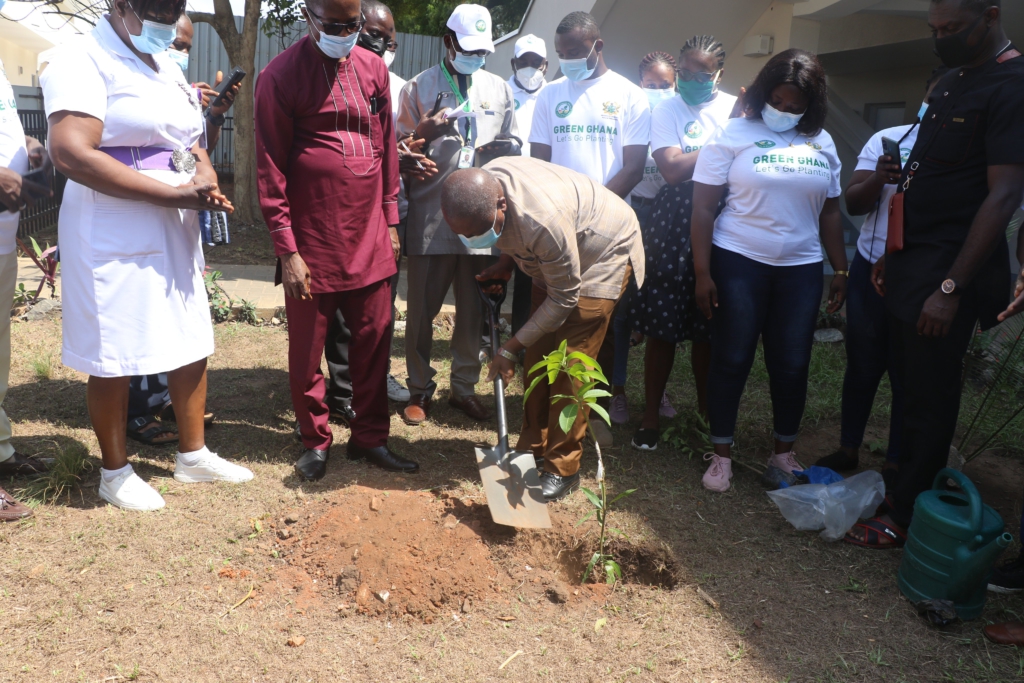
x=567, y=231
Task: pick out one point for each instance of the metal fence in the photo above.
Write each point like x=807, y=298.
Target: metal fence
x=223, y=155
x=44, y=214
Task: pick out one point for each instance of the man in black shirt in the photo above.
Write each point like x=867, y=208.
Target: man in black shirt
x=960, y=187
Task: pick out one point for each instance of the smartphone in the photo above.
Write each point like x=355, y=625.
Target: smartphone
x=437, y=102
x=891, y=149
x=38, y=177
x=234, y=78
x=497, y=148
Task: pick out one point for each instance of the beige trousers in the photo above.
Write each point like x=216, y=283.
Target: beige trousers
x=8, y=281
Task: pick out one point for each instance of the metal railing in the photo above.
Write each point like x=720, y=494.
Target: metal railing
x=44, y=214
x=223, y=155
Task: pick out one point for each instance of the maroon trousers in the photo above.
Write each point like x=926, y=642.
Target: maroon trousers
x=367, y=312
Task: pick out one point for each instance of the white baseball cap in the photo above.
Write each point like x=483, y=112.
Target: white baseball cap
x=530, y=43
x=472, y=26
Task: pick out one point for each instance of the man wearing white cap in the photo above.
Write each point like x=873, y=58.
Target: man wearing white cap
x=529, y=66
x=459, y=111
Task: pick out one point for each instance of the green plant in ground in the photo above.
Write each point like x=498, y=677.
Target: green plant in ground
x=22, y=296
x=675, y=436
x=220, y=302
x=247, y=313
x=46, y=261
x=64, y=474
x=585, y=375
x=42, y=366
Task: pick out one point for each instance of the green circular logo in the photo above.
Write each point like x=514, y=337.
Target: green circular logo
x=905, y=154
x=765, y=144
x=481, y=25
x=516, y=103
x=563, y=109
x=693, y=130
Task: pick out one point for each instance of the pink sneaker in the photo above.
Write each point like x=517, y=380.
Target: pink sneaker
x=620, y=410
x=666, y=409
x=786, y=462
x=719, y=473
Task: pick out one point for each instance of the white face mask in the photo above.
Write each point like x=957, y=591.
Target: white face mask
x=389, y=58
x=779, y=121
x=530, y=78
x=656, y=96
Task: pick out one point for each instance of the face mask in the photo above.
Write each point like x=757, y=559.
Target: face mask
x=180, y=58
x=576, y=69
x=530, y=78
x=658, y=95
x=484, y=241
x=694, y=93
x=337, y=47
x=922, y=111
x=154, y=39
x=374, y=45
x=389, y=58
x=779, y=121
x=954, y=51
x=468, y=64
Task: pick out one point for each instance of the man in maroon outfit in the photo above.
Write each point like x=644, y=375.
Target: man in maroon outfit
x=328, y=183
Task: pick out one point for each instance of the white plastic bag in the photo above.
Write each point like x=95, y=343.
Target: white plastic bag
x=834, y=508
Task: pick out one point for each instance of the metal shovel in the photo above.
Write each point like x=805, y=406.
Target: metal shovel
x=511, y=481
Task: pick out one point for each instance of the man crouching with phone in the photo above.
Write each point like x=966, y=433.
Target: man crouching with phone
x=578, y=241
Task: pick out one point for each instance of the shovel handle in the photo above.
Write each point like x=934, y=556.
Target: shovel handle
x=493, y=301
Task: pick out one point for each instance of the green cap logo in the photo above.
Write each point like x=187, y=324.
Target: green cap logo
x=904, y=154
x=814, y=145
x=481, y=25
x=693, y=130
x=563, y=109
x=765, y=144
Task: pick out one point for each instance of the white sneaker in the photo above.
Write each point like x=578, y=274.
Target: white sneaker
x=128, y=492
x=397, y=391
x=211, y=467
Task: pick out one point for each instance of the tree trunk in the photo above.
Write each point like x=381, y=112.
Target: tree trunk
x=241, y=49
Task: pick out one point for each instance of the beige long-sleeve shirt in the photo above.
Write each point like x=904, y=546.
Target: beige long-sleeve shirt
x=568, y=231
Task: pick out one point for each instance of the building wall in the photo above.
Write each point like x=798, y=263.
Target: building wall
x=541, y=19
x=19, y=63
x=740, y=70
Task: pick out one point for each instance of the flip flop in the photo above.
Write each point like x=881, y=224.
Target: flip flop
x=149, y=436
x=874, y=530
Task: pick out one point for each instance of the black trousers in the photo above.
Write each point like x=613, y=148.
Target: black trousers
x=521, y=300
x=932, y=373
x=339, y=379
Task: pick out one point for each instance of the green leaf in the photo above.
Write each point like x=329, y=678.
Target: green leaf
x=533, y=385
x=600, y=623
x=617, y=531
x=538, y=366
x=558, y=397
x=552, y=376
x=562, y=347
x=602, y=412
x=592, y=497
x=586, y=517
x=590, y=567
x=597, y=374
x=622, y=495
x=35, y=246
x=584, y=358
x=568, y=417
x=612, y=571
x=595, y=393
x=258, y=527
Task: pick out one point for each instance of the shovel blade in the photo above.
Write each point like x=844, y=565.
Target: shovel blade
x=512, y=487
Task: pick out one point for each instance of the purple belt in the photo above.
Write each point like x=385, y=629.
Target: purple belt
x=152, y=158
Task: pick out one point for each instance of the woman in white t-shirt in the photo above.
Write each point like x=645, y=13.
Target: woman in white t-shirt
x=759, y=263
x=664, y=310
x=124, y=127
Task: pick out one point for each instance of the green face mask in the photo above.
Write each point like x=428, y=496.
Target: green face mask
x=693, y=92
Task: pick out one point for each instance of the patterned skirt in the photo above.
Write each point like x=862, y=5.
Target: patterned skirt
x=664, y=308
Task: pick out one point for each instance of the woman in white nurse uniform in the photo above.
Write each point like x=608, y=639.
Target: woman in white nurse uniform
x=124, y=127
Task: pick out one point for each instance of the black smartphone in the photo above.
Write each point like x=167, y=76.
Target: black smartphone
x=437, y=103
x=891, y=149
x=496, y=148
x=234, y=78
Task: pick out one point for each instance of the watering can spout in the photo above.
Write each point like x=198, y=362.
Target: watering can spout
x=973, y=565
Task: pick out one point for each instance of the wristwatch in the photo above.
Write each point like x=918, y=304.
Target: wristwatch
x=217, y=120
x=949, y=286
x=508, y=355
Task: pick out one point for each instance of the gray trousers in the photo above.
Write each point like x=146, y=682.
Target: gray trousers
x=429, y=280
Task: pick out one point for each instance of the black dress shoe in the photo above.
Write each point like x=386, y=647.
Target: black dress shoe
x=312, y=464
x=382, y=457
x=20, y=465
x=343, y=414
x=555, y=487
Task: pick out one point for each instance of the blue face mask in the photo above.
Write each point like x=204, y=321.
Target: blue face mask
x=657, y=95
x=577, y=69
x=2, y=3
x=154, y=39
x=337, y=47
x=180, y=58
x=468, y=64
x=484, y=241
x=922, y=111
x=779, y=121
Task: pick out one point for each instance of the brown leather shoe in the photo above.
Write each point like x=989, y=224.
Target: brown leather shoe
x=471, y=406
x=10, y=509
x=1010, y=633
x=20, y=465
x=416, y=410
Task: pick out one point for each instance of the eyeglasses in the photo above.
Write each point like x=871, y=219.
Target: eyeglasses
x=389, y=45
x=334, y=29
x=699, y=76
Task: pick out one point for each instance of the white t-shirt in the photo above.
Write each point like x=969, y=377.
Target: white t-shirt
x=587, y=124
x=525, y=102
x=871, y=243
x=778, y=184
x=12, y=155
x=397, y=83
x=652, y=182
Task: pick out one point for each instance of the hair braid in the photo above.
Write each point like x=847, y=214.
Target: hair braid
x=659, y=57
x=705, y=45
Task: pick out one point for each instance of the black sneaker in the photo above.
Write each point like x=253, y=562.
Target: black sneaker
x=1009, y=578
x=645, y=439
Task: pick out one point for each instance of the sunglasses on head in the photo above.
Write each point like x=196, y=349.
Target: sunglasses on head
x=699, y=76
x=334, y=29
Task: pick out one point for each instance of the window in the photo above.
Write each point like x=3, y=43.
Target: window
x=885, y=115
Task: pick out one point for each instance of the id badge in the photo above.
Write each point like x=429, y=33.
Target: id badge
x=467, y=156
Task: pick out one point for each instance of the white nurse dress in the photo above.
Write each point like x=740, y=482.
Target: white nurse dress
x=134, y=302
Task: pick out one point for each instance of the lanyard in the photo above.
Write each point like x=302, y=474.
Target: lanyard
x=458, y=96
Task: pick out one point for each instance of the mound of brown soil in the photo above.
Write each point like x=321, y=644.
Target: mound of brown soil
x=417, y=553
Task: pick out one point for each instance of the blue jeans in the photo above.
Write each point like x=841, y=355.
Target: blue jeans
x=779, y=305
x=868, y=356
x=620, y=319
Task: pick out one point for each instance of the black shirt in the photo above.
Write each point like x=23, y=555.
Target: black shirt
x=976, y=120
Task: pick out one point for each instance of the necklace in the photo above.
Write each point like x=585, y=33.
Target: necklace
x=188, y=93
x=348, y=115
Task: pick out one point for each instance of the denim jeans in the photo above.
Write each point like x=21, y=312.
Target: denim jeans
x=620, y=319
x=869, y=355
x=777, y=304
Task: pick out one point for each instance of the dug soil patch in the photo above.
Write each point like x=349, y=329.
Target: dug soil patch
x=417, y=553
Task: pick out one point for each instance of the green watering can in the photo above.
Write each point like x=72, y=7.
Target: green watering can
x=952, y=544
